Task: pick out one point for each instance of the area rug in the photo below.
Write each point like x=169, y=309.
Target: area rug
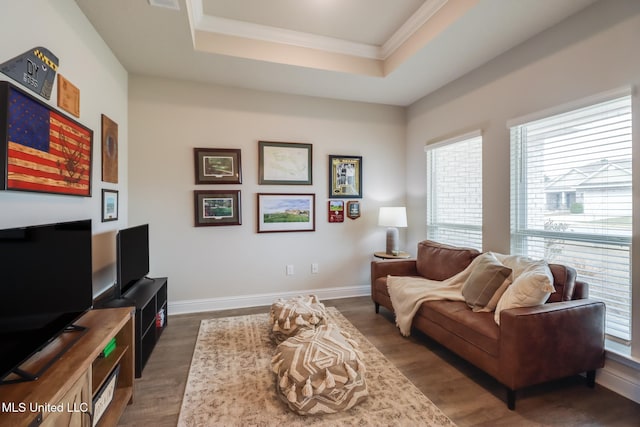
x=230, y=383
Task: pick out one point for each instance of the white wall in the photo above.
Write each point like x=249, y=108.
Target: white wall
x=85, y=61
x=169, y=118
x=590, y=53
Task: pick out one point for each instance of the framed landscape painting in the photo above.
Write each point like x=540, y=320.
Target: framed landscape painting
x=217, y=207
x=286, y=212
x=217, y=166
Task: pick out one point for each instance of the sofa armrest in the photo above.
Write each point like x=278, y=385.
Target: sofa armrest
x=395, y=267
x=550, y=341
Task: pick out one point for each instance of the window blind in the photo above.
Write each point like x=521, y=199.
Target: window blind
x=571, y=200
x=454, y=191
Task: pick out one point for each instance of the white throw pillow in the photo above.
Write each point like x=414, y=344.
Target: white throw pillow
x=532, y=286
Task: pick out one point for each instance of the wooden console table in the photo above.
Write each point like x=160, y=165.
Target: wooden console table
x=63, y=394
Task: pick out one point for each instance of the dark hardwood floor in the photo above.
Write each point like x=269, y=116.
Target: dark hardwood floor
x=467, y=395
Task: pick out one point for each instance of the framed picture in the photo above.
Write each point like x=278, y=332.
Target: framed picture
x=217, y=207
x=336, y=211
x=42, y=150
x=218, y=166
x=345, y=177
x=109, y=150
x=353, y=209
x=109, y=205
x=68, y=96
x=284, y=163
x=286, y=212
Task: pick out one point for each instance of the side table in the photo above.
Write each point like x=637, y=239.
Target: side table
x=384, y=255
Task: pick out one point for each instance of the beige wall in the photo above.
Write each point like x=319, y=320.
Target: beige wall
x=86, y=61
x=217, y=264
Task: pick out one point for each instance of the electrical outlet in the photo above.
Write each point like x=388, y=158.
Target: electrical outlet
x=289, y=270
x=314, y=268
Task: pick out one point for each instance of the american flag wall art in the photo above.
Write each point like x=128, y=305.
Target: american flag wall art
x=43, y=150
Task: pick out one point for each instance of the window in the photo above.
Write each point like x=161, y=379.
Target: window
x=571, y=200
x=454, y=191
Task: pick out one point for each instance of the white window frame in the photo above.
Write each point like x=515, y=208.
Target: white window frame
x=435, y=224
x=516, y=226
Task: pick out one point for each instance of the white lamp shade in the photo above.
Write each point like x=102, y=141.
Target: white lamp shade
x=392, y=217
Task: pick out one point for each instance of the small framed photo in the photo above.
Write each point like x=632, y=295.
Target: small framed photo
x=109, y=205
x=336, y=211
x=353, y=209
x=217, y=207
x=345, y=177
x=68, y=96
x=218, y=166
x=286, y=212
x=284, y=163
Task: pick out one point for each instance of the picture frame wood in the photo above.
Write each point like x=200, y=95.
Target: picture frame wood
x=41, y=149
x=109, y=205
x=345, y=177
x=68, y=96
x=218, y=165
x=285, y=163
x=109, y=150
x=217, y=207
x=280, y=212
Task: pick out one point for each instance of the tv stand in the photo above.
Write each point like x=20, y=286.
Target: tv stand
x=23, y=375
x=64, y=394
x=149, y=296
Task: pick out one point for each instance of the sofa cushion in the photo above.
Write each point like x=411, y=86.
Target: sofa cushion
x=487, y=276
x=531, y=286
x=437, y=261
x=564, y=282
x=477, y=329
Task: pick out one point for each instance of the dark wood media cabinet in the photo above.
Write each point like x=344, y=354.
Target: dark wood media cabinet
x=149, y=296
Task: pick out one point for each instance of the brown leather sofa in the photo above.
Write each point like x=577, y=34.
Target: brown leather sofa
x=532, y=345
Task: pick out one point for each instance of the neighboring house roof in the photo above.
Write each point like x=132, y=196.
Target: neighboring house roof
x=600, y=174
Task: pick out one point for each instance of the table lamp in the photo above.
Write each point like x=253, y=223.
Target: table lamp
x=392, y=218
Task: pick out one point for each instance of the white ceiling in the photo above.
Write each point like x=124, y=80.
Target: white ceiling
x=382, y=51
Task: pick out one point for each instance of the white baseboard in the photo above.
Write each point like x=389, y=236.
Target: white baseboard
x=243, y=301
x=621, y=376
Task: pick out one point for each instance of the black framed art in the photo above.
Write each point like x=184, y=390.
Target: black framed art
x=345, y=177
x=218, y=165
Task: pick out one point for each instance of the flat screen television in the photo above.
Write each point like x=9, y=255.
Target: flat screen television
x=132, y=246
x=45, y=285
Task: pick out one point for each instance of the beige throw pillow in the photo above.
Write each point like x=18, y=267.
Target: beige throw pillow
x=487, y=276
x=532, y=287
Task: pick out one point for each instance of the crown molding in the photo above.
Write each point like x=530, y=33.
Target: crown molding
x=413, y=24
x=213, y=24
x=231, y=27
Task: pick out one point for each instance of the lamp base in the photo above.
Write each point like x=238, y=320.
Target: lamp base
x=392, y=241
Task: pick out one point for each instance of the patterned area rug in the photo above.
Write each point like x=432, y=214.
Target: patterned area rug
x=231, y=383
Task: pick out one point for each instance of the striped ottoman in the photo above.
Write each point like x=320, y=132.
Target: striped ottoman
x=319, y=371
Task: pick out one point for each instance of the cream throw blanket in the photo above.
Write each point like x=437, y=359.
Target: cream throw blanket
x=408, y=293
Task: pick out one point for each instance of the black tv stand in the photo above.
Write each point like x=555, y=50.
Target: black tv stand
x=149, y=296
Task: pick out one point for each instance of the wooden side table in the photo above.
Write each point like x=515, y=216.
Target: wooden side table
x=384, y=255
